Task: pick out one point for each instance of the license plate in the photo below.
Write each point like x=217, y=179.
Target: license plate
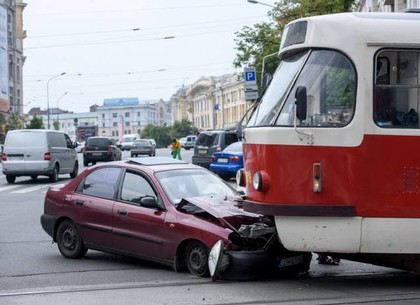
x=222, y=160
x=96, y=154
x=14, y=158
x=290, y=261
x=202, y=151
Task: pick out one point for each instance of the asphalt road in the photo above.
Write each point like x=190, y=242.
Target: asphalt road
x=32, y=271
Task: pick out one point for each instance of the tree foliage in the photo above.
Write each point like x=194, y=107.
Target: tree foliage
x=36, y=123
x=56, y=125
x=253, y=44
x=163, y=135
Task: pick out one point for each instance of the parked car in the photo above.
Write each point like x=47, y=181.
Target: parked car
x=142, y=147
x=182, y=141
x=189, y=142
x=164, y=210
x=128, y=140
x=153, y=142
x=38, y=152
x=79, y=147
x=100, y=149
x=227, y=162
x=209, y=142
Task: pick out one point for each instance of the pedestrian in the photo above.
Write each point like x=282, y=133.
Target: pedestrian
x=176, y=149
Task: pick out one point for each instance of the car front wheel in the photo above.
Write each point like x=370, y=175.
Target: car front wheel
x=69, y=241
x=197, y=256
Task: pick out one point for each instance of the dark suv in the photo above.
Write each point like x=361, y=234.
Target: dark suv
x=100, y=149
x=209, y=142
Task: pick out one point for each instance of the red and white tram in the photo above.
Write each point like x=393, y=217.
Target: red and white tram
x=332, y=150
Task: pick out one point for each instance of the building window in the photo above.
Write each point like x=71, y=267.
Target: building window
x=127, y=114
x=103, y=115
x=127, y=123
x=103, y=125
x=114, y=115
x=115, y=124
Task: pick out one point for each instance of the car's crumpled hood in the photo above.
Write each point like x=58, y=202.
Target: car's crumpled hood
x=219, y=207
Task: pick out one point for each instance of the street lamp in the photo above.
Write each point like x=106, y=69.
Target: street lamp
x=262, y=3
x=48, y=97
x=65, y=93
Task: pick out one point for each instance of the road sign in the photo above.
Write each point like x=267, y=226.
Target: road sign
x=250, y=76
x=250, y=86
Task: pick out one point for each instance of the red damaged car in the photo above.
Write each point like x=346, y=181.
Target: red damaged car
x=167, y=211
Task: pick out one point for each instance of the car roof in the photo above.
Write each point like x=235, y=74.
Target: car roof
x=156, y=164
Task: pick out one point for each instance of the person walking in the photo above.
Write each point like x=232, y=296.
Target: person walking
x=176, y=149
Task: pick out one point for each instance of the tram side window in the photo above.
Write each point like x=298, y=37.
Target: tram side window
x=396, y=100
x=330, y=81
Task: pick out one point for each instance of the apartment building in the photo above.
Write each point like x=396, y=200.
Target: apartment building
x=11, y=56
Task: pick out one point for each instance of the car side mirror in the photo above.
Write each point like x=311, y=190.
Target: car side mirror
x=150, y=202
x=301, y=103
x=75, y=144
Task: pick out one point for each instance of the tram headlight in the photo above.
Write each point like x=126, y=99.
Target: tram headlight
x=261, y=181
x=240, y=178
x=257, y=181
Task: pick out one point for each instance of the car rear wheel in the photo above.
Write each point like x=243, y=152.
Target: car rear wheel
x=197, y=256
x=54, y=175
x=75, y=170
x=69, y=241
x=10, y=178
x=85, y=163
x=34, y=177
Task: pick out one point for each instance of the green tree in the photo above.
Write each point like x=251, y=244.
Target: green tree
x=182, y=128
x=36, y=123
x=253, y=44
x=15, y=122
x=56, y=125
x=161, y=134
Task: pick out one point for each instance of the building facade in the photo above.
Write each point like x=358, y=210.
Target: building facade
x=11, y=56
x=388, y=5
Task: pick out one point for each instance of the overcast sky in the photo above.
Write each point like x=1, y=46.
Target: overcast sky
x=127, y=48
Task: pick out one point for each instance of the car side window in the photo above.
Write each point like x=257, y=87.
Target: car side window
x=230, y=138
x=101, y=183
x=135, y=187
x=68, y=141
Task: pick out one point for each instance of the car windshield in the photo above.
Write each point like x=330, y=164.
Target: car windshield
x=185, y=183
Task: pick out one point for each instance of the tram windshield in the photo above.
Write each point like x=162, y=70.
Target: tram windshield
x=330, y=80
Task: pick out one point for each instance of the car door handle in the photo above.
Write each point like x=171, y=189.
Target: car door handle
x=79, y=202
x=122, y=212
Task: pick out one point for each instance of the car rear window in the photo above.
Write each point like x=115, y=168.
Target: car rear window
x=128, y=139
x=98, y=142
x=142, y=142
x=26, y=139
x=206, y=139
x=237, y=146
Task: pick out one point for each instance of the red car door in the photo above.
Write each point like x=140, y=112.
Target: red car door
x=138, y=230
x=94, y=202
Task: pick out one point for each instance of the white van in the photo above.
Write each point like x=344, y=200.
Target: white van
x=35, y=152
x=128, y=140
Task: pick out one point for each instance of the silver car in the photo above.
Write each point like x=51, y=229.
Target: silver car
x=38, y=152
x=142, y=147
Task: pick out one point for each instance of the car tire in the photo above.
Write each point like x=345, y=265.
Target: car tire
x=93, y=163
x=69, y=241
x=10, y=178
x=197, y=256
x=85, y=163
x=34, y=177
x=54, y=175
x=75, y=170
